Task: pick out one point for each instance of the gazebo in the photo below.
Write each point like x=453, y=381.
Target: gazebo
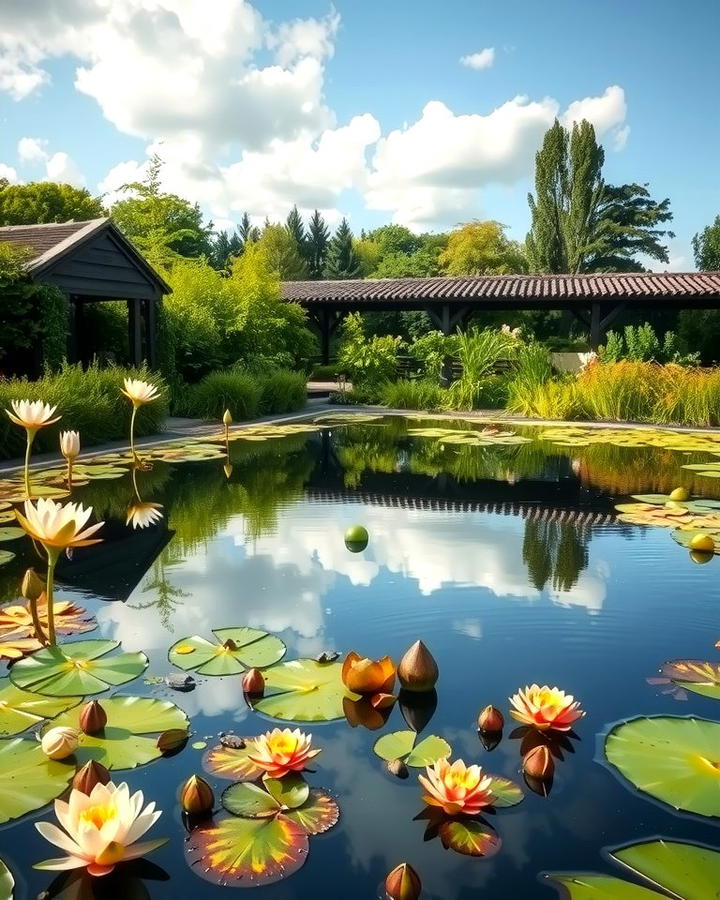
x=596, y=300
x=93, y=262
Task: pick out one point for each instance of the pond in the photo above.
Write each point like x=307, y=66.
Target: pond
x=502, y=550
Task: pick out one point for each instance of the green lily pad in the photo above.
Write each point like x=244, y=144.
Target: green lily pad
x=700, y=676
x=684, y=536
x=505, y=792
x=7, y=882
x=673, y=759
x=6, y=556
x=401, y=745
x=470, y=837
x=28, y=779
x=236, y=650
x=290, y=792
x=77, y=669
x=232, y=762
x=20, y=710
x=317, y=814
x=304, y=690
x=682, y=870
x=237, y=852
x=250, y=800
x=11, y=533
x=123, y=743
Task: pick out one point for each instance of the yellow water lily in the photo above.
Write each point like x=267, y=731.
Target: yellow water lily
x=101, y=830
x=545, y=708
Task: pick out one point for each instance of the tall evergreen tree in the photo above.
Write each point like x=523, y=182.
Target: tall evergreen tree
x=342, y=260
x=545, y=245
x=317, y=243
x=296, y=230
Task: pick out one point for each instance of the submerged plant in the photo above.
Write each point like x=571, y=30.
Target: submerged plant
x=32, y=416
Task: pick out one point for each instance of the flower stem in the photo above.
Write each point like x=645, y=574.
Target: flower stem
x=69, y=472
x=132, y=433
x=30, y=432
x=37, y=625
x=53, y=554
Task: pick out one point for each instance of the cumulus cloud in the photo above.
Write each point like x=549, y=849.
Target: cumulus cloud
x=8, y=173
x=481, y=60
x=59, y=167
x=31, y=150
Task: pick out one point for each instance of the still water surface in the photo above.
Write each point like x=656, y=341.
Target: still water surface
x=508, y=563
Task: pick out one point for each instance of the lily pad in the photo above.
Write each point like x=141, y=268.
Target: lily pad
x=6, y=556
x=505, y=792
x=77, y=669
x=232, y=762
x=682, y=870
x=304, y=690
x=7, y=882
x=124, y=742
x=702, y=677
x=290, y=792
x=684, y=536
x=470, y=837
x=317, y=814
x=250, y=800
x=235, y=650
x=28, y=779
x=675, y=760
x=401, y=745
x=11, y=533
x=237, y=852
x=20, y=710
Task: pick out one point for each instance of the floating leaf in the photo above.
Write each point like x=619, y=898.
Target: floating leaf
x=28, y=779
x=675, y=760
x=696, y=675
x=16, y=620
x=123, y=743
x=6, y=556
x=317, y=814
x=303, y=690
x=236, y=650
x=7, y=882
x=247, y=852
x=291, y=791
x=77, y=669
x=683, y=870
x=11, y=533
x=471, y=837
x=232, y=762
x=684, y=536
x=250, y=800
x=401, y=745
x=19, y=710
x=505, y=792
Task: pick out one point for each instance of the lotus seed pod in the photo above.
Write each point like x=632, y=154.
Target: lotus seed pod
x=92, y=773
x=538, y=762
x=418, y=670
x=59, y=742
x=253, y=682
x=403, y=883
x=491, y=719
x=93, y=718
x=197, y=796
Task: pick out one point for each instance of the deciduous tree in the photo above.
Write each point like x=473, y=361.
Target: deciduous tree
x=44, y=201
x=482, y=248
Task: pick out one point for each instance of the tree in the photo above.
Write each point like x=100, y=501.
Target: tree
x=421, y=264
x=706, y=247
x=163, y=226
x=247, y=231
x=282, y=254
x=317, y=242
x=44, y=201
x=581, y=224
x=296, y=230
x=226, y=245
x=482, y=248
x=395, y=239
x=342, y=260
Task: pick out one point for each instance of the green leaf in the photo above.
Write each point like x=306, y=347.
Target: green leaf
x=77, y=669
x=471, y=837
x=505, y=792
x=304, y=690
x=672, y=759
x=28, y=779
x=123, y=743
x=7, y=882
x=246, y=852
x=20, y=710
x=700, y=676
x=6, y=556
x=291, y=791
x=232, y=762
x=11, y=533
x=235, y=650
x=401, y=745
x=684, y=536
x=601, y=887
x=249, y=800
x=317, y=814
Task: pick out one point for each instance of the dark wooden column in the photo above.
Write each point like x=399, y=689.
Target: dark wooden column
x=149, y=316
x=595, y=326
x=74, y=336
x=599, y=322
x=134, y=308
x=447, y=320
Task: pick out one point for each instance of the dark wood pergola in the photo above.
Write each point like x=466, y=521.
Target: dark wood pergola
x=93, y=262
x=595, y=300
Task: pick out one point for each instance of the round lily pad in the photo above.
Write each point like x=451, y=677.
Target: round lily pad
x=11, y=533
x=20, y=710
x=28, y=779
x=700, y=676
x=250, y=800
x=470, y=837
x=317, y=814
x=235, y=650
x=505, y=792
x=290, y=792
x=77, y=669
x=6, y=556
x=684, y=536
x=233, y=762
x=124, y=742
x=673, y=759
x=401, y=745
x=304, y=690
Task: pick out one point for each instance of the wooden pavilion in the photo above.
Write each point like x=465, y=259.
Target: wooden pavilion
x=93, y=262
x=596, y=300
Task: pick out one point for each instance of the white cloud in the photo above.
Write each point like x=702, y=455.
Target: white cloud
x=482, y=60
x=606, y=112
x=32, y=150
x=305, y=37
x=8, y=173
x=59, y=167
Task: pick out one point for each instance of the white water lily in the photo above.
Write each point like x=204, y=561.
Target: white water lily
x=58, y=526
x=142, y=514
x=32, y=414
x=70, y=444
x=101, y=829
x=140, y=392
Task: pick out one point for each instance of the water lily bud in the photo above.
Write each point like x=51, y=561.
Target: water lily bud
x=403, y=883
x=538, y=762
x=69, y=444
x=227, y=418
x=680, y=493
x=59, y=742
x=171, y=740
x=491, y=719
x=253, y=682
x=93, y=718
x=32, y=586
x=92, y=773
x=228, y=470
x=418, y=670
x=197, y=796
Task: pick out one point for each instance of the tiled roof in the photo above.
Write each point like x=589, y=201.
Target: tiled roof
x=695, y=285
x=48, y=240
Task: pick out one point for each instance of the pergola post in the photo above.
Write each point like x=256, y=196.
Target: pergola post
x=150, y=332
x=595, y=326
x=134, y=308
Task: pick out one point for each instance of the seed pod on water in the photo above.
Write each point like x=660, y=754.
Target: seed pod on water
x=538, y=762
x=491, y=719
x=403, y=883
x=418, y=670
x=253, y=682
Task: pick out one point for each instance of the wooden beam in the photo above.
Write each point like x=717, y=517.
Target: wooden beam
x=612, y=315
x=580, y=316
x=135, y=331
x=149, y=315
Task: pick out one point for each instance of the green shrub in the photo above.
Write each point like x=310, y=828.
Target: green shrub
x=479, y=352
x=283, y=391
x=88, y=400
x=405, y=394
x=218, y=391
x=492, y=392
x=430, y=351
x=369, y=361
x=329, y=372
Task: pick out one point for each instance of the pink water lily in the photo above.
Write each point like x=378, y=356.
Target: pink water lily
x=101, y=830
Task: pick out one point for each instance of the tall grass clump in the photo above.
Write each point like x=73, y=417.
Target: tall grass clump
x=623, y=391
x=89, y=401
x=479, y=352
x=533, y=370
x=404, y=394
x=237, y=391
x=282, y=391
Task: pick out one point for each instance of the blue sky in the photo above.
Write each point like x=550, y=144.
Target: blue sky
x=362, y=109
